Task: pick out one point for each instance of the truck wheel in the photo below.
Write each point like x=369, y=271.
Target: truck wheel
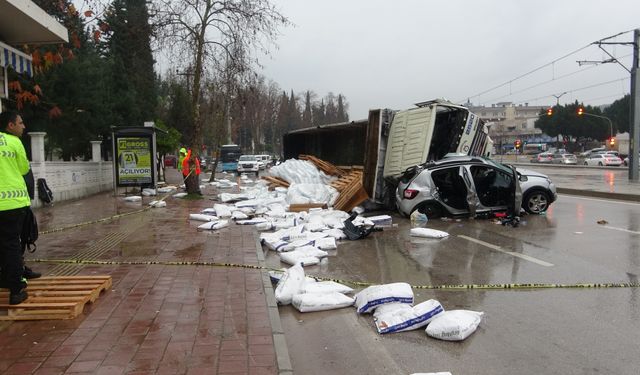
x=535, y=202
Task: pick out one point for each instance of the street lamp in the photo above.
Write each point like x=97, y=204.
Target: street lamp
x=582, y=112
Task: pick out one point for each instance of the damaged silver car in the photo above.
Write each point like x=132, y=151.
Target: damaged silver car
x=472, y=186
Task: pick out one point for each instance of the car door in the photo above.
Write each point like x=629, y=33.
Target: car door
x=492, y=186
x=451, y=189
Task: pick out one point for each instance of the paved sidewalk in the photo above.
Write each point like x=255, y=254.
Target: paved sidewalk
x=157, y=319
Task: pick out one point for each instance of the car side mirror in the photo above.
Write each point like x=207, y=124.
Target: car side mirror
x=523, y=178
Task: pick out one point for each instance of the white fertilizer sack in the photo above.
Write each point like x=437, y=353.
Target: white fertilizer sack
x=428, y=233
x=326, y=287
x=148, y=192
x=214, y=225
x=368, y=299
x=277, y=245
x=239, y=215
x=179, y=195
x=338, y=234
x=409, y=319
x=253, y=221
x=390, y=307
x=454, y=325
x=208, y=211
x=167, y=189
x=133, y=198
x=202, y=217
x=290, y=284
x=294, y=257
x=158, y=204
x=432, y=373
x=327, y=243
x=222, y=210
x=320, y=302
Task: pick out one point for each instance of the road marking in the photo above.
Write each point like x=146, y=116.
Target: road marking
x=621, y=229
x=612, y=200
x=499, y=249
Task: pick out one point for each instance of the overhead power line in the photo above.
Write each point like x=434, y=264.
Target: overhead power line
x=509, y=82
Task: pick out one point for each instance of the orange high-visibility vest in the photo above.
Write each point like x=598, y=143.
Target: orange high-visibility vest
x=185, y=165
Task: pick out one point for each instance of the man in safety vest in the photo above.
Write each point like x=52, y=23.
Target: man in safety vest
x=14, y=203
x=181, y=156
x=191, y=167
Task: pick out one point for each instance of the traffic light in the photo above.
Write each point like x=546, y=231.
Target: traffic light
x=580, y=111
x=517, y=144
x=612, y=141
x=550, y=111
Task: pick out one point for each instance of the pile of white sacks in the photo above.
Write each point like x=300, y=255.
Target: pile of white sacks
x=391, y=305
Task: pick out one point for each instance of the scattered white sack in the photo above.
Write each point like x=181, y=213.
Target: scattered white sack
x=428, y=233
x=312, y=251
x=432, y=373
x=284, y=223
x=290, y=284
x=158, y=204
x=239, y=215
x=327, y=243
x=302, y=242
x=320, y=301
x=275, y=277
x=267, y=225
x=409, y=319
x=254, y=221
x=228, y=197
x=167, y=189
x=302, y=193
x=281, y=189
x=208, y=211
x=326, y=287
x=390, y=307
x=202, y=217
x=368, y=299
x=179, y=195
x=338, y=234
x=222, y=210
x=133, y=198
x=214, y=225
x=148, y=192
x=247, y=210
x=381, y=220
x=202, y=187
x=454, y=325
x=297, y=257
x=277, y=244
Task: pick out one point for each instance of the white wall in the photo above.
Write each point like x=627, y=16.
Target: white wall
x=73, y=180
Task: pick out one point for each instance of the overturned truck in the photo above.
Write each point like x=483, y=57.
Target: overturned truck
x=389, y=142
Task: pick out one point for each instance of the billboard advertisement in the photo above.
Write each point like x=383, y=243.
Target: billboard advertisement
x=134, y=159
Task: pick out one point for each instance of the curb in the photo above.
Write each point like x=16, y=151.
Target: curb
x=599, y=194
x=279, y=341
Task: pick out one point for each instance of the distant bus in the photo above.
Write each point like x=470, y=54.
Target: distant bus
x=229, y=155
x=534, y=148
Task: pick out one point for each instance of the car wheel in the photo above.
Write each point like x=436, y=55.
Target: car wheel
x=585, y=163
x=432, y=210
x=600, y=164
x=536, y=202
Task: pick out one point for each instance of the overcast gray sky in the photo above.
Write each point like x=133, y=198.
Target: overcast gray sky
x=391, y=54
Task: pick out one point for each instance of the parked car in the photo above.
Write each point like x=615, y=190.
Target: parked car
x=603, y=160
x=592, y=151
x=248, y=163
x=564, y=158
x=543, y=157
x=443, y=188
x=265, y=161
x=626, y=161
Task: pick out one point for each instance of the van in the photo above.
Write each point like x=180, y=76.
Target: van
x=265, y=161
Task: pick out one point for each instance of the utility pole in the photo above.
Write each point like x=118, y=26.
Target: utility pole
x=634, y=125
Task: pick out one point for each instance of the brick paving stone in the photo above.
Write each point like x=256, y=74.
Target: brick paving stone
x=156, y=319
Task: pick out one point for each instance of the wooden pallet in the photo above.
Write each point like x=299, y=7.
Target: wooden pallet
x=55, y=297
x=324, y=166
x=275, y=181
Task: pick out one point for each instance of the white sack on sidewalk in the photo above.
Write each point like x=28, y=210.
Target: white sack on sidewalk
x=222, y=210
x=179, y=195
x=319, y=302
x=239, y=215
x=409, y=319
x=338, y=234
x=307, y=255
x=370, y=298
x=326, y=287
x=277, y=244
x=158, y=204
x=148, y=192
x=327, y=243
x=454, y=325
x=290, y=284
x=214, y=225
x=390, y=307
x=428, y=233
x=167, y=189
x=202, y=217
x=133, y=198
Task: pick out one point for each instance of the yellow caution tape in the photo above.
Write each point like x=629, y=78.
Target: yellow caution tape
x=350, y=282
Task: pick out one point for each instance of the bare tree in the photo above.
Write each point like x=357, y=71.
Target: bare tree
x=220, y=35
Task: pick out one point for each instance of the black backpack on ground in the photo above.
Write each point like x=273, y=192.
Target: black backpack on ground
x=45, y=194
x=29, y=234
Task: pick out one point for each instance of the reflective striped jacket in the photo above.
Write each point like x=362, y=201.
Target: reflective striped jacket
x=13, y=165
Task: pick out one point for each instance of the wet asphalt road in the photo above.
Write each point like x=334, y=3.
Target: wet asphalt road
x=539, y=331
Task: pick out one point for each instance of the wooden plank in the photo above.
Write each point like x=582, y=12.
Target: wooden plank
x=305, y=206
